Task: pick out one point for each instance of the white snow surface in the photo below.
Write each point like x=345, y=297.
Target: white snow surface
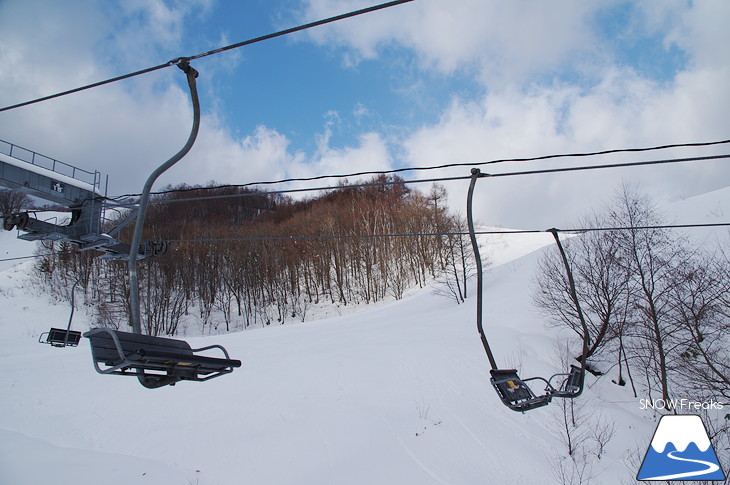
x=397, y=394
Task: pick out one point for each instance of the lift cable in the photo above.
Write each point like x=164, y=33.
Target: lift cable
x=439, y=167
x=30, y=257
x=178, y=60
x=574, y=231
x=416, y=181
x=508, y=232
x=118, y=204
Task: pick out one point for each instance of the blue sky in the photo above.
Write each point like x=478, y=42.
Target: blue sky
x=428, y=82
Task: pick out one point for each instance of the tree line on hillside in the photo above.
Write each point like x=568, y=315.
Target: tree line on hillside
x=239, y=257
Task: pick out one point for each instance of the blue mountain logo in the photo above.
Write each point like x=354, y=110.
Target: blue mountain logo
x=680, y=450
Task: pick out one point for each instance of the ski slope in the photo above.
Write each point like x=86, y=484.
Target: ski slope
x=398, y=394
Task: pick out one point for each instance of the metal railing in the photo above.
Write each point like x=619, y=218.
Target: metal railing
x=57, y=166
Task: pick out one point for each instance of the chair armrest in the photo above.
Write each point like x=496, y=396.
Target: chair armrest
x=216, y=346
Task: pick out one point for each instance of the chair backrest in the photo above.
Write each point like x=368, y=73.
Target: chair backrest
x=510, y=386
x=105, y=349
x=61, y=336
x=574, y=382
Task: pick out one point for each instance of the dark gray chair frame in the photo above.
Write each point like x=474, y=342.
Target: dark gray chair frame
x=516, y=394
x=156, y=361
x=513, y=391
x=60, y=337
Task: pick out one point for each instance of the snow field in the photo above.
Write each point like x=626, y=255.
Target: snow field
x=398, y=394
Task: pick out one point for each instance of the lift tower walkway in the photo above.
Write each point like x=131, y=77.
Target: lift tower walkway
x=61, y=183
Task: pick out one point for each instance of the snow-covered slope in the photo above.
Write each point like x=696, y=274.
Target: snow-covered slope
x=711, y=207
x=395, y=395
x=11, y=247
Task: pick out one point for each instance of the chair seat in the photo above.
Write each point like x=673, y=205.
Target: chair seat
x=157, y=359
x=515, y=393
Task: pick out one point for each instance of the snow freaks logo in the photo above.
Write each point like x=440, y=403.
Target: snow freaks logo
x=680, y=450
x=683, y=404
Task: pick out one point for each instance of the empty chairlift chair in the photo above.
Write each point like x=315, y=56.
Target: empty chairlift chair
x=156, y=361
x=59, y=337
x=516, y=394
x=513, y=391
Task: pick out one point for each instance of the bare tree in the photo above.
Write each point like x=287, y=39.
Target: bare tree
x=650, y=257
x=700, y=306
x=602, y=286
x=649, y=297
x=13, y=201
x=276, y=257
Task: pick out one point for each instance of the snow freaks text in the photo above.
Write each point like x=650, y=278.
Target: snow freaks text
x=679, y=404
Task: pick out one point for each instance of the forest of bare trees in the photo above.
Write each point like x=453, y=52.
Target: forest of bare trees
x=249, y=258
x=657, y=305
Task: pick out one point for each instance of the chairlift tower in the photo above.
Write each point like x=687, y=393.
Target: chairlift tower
x=61, y=183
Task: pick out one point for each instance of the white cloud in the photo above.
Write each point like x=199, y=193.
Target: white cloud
x=370, y=154
x=519, y=51
x=698, y=28
x=129, y=128
x=142, y=30
x=624, y=110
x=511, y=50
x=501, y=40
x=216, y=156
x=267, y=155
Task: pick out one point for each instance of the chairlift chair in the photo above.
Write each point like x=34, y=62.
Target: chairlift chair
x=156, y=361
x=59, y=337
x=518, y=396
x=572, y=385
x=513, y=391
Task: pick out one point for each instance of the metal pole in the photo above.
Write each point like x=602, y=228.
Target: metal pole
x=73, y=306
x=574, y=296
x=475, y=174
x=134, y=311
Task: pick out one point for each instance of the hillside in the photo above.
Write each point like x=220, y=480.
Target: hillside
x=397, y=394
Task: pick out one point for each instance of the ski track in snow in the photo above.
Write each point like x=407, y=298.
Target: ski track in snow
x=413, y=456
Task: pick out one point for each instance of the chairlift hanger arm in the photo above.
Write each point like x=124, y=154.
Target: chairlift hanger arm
x=576, y=302
x=191, y=74
x=156, y=361
x=511, y=389
x=476, y=174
